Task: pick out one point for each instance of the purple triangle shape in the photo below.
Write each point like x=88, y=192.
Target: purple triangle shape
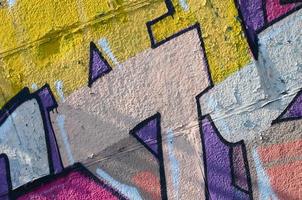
x=147, y=133
x=98, y=65
x=293, y=110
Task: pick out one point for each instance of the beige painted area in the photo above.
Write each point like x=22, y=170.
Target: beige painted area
x=164, y=80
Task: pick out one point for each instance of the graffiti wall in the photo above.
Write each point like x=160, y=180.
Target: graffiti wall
x=150, y=99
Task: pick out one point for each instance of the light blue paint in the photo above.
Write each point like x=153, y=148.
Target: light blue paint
x=127, y=191
x=34, y=86
x=276, y=31
x=184, y=5
x=174, y=164
x=265, y=190
x=61, y=122
x=11, y=3
x=59, y=88
x=213, y=105
x=6, y=127
x=103, y=42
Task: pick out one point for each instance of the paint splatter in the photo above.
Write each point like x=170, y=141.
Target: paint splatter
x=34, y=87
x=184, y=5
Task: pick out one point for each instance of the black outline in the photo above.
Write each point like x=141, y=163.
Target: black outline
x=284, y=2
x=93, y=48
x=253, y=43
x=268, y=24
x=160, y=156
x=170, y=12
x=20, y=98
x=27, y=188
x=8, y=176
x=264, y=13
x=142, y=125
x=279, y=118
x=196, y=27
x=155, y=44
x=230, y=145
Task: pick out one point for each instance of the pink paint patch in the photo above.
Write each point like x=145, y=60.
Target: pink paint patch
x=277, y=152
x=274, y=9
x=73, y=186
x=287, y=180
x=149, y=183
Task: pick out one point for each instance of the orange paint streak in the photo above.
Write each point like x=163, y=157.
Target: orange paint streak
x=149, y=183
x=280, y=151
x=286, y=180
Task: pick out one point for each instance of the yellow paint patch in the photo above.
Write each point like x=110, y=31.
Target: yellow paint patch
x=48, y=40
x=226, y=47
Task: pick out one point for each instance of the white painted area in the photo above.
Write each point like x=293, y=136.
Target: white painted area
x=22, y=138
x=246, y=103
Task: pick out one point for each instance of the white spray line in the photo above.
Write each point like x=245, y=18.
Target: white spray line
x=127, y=191
x=175, y=170
x=265, y=190
x=59, y=88
x=103, y=42
x=60, y=122
x=184, y=5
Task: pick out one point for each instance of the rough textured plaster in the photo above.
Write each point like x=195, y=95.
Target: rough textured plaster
x=128, y=165
x=22, y=138
x=164, y=80
x=74, y=185
x=284, y=136
x=250, y=99
x=46, y=41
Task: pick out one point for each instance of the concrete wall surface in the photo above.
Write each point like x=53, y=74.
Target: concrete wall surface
x=150, y=99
